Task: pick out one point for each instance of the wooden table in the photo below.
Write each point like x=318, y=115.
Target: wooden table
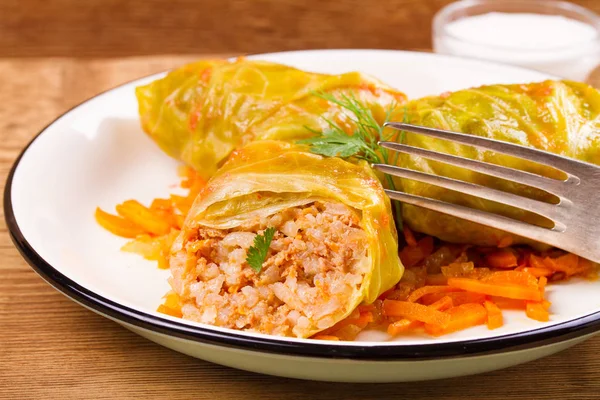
x=52, y=348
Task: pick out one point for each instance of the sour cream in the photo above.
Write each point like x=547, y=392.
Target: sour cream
x=551, y=43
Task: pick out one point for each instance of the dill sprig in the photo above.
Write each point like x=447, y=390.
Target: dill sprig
x=362, y=143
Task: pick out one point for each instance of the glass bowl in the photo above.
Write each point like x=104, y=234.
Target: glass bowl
x=573, y=61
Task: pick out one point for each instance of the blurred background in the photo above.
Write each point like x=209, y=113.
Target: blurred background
x=116, y=28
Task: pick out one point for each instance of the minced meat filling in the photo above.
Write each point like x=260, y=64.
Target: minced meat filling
x=316, y=262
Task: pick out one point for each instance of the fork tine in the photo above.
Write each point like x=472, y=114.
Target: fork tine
x=539, y=156
x=550, y=185
x=548, y=236
x=540, y=208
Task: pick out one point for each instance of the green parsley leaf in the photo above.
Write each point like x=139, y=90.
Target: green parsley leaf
x=363, y=143
x=257, y=254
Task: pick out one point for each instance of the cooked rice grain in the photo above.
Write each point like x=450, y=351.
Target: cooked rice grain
x=316, y=262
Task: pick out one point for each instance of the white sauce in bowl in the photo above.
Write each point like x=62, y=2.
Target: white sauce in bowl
x=551, y=43
x=525, y=31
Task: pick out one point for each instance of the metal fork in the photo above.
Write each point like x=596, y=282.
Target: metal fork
x=576, y=216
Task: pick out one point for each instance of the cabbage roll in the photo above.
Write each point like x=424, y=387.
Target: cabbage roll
x=559, y=117
x=333, y=244
x=201, y=112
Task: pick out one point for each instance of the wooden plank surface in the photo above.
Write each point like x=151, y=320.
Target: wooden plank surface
x=53, y=348
x=101, y=28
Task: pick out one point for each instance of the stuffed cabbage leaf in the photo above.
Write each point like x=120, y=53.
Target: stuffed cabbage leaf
x=201, y=112
x=332, y=243
x=559, y=117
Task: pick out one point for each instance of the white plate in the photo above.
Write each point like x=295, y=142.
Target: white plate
x=97, y=155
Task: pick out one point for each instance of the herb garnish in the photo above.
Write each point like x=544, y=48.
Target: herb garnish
x=257, y=254
x=362, y=143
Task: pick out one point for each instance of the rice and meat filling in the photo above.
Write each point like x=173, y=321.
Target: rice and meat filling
x=316, y=262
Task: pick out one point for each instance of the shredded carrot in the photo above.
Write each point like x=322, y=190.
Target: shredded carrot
x=144, y=217
x=536, y=271
x=195, y=188
x=542, y=282
x=118, y=225
x=190, y=178
x=163, y=262
x=414, y=311
x=364, y=319
x=326, y=337
x=152, y=248
x=357, y=319
x=161, y=204
x=144, y=245
x=458, y=298
x=420, y=292
x=546, y=304
x=168, y=216
x=494, y=315
x=166, y=310
x=503, y=258
x=173, y=301
x=409, y=236
x=537, y=311
x=510, y=291
x=443, y=304
x=402, y=326
x=179, y=221
x=511, y=278
x=171, y=305
x=508, y=304
x=181, y=203
x=405, y=325
x=154, y=227
x=461, y=317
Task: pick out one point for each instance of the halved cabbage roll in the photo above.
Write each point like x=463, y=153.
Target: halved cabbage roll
x=334, y=243
x=201, y=112
x=560, y=117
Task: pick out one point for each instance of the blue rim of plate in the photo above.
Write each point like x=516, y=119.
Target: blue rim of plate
x=385, y=352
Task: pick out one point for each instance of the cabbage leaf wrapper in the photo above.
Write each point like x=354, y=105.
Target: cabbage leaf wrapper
x=561, y=117
x=334, y=244
x=201, y=112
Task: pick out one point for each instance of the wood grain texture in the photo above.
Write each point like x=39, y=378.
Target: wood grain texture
x=110, y=28
x=52, y=348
